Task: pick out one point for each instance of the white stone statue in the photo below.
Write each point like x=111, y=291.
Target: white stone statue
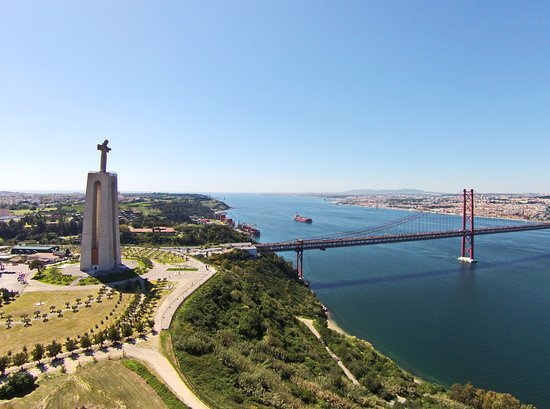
x=104, y=150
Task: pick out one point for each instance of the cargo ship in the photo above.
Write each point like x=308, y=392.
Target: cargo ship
x=302, y=219
x=251, y=231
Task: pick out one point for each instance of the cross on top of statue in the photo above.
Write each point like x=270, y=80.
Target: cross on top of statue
x=104, y=150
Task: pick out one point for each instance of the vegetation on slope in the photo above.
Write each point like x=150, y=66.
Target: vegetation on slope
x=239, y=343
x=186, y=235
x=170, y=209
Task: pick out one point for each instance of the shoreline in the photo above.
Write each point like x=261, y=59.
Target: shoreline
x=408, y=209
x=333, y=325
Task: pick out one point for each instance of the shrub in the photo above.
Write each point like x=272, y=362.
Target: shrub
x=18, y=384
x=194, y=344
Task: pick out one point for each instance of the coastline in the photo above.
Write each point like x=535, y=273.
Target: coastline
x=407, y=209
x=333, y=325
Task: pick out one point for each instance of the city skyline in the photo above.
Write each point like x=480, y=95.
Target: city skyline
x=286, y=97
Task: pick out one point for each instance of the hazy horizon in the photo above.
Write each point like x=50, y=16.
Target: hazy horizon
x=376, y=191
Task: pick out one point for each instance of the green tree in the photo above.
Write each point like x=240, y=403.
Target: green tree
x=113, y=334
x=53, y=349
x=494, y=400
x=71, y=345
x=37, y=265
x=38, y=352
x=140, y=328
x=85, y=342
x=17, y=384
x=20, y=359
x=99, y=338
x=126, y=331
x=4, y=362
x=25, y=320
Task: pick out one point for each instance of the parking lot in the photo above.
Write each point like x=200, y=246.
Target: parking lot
x=14, y=277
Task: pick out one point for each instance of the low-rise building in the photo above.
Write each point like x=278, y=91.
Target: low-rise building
x=34, y=249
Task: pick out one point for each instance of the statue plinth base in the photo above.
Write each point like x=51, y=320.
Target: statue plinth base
x=100, y=245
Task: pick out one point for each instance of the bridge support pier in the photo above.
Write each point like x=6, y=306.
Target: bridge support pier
x=300, y=262
x=467, y=253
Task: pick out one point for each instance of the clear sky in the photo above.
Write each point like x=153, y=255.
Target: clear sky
x=276, y=96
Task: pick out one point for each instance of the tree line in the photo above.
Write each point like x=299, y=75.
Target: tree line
x=38, y=227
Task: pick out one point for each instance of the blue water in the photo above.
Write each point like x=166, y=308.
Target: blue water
x=486, y=323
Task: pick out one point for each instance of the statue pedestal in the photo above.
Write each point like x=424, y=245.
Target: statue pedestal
x=100, y=245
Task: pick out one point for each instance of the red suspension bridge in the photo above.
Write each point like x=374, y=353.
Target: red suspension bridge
x=418, y=226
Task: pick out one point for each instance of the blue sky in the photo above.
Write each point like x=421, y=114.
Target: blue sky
x=276, y=96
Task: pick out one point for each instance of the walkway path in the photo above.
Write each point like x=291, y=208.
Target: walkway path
x=182, y=290
x=166, y=371
x=309, y=324
x=186, y=282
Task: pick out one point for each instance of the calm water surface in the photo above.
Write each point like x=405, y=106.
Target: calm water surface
x=486, y=323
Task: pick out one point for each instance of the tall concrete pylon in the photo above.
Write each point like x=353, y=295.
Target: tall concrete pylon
x=100, y=245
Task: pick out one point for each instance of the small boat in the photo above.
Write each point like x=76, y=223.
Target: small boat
x=302, y=219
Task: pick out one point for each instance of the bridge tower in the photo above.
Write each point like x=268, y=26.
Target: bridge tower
x=300, y=260
x=467, y=254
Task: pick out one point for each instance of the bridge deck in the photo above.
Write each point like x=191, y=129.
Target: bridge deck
x=321, y=244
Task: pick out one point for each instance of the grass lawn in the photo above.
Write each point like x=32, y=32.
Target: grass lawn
x=182, y=269
x=89, y=281
x=23, y=212
x=157, y=254
x=53, y=275
x=58, y=328
x=162, y=390
x=106, y=384
x=109, y=278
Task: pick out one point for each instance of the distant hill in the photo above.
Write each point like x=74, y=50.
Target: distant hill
x=387, y=192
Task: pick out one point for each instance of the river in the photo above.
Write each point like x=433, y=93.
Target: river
x=444, y=321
